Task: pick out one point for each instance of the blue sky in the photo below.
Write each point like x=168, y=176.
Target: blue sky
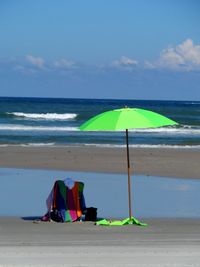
x=135, y=49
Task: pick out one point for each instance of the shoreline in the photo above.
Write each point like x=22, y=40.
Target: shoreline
x=164, y=162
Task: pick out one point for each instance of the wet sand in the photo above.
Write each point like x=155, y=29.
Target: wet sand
x=179, y=163
x=165, y=242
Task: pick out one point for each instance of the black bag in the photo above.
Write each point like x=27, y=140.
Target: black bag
x=91, y=214
x=56, y=215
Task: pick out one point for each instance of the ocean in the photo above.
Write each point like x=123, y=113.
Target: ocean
x=56, y=121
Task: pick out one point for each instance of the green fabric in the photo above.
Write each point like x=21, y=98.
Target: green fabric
x=81, y=187
x=103, y=222
x=126, y=118
x=126, y=221
x=67, y=216
x=62, y=189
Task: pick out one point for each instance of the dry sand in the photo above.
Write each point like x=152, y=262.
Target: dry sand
x=183, y=163
x=165, y=242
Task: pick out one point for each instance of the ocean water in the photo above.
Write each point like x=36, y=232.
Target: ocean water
x=54, y=122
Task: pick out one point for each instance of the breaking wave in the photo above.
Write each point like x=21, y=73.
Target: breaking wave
x=15, y=127
x=104, y=145
x=185, y=130
x=44, y=116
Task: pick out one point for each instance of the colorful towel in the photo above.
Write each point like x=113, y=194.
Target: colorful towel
x=69, y=202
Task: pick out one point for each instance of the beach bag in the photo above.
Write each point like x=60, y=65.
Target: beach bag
x=56, y=216
x=91, y=214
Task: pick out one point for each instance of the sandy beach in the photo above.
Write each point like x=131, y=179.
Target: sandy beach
x=165, y=242
x=169, y=162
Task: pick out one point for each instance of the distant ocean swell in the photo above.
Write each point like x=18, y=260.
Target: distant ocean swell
x=55, y=122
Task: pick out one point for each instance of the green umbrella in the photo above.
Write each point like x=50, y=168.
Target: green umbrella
x=124, y=119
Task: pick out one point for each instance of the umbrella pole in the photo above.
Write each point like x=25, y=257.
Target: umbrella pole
x=129, y=176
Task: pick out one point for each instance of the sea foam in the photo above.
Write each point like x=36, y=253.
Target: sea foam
x=184, y=130
x=18, y=127
x=44, y=116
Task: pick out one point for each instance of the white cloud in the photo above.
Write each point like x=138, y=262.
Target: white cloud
x=64, y=63
x=148, y=65
x=124, y=62
x=36, y=65
x=170, y=57
x=35, y=61
x=185, y=56
x=189, y=52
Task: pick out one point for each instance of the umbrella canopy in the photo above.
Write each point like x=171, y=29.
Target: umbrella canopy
x=124, y=119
